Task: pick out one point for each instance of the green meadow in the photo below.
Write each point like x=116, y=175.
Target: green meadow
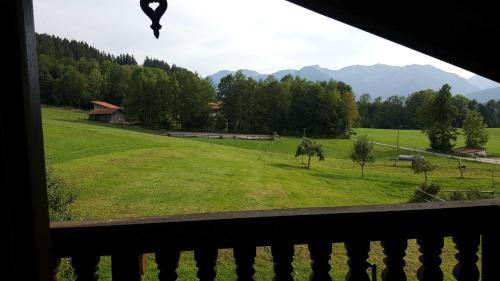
x=129, y=172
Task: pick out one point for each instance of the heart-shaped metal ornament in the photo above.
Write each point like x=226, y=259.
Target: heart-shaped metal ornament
x=154, y=14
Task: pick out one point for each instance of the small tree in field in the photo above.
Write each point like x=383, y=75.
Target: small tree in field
x=475, y=131
x=461, y=168
x=362, y=153
x=310, y=148
x=420, y=165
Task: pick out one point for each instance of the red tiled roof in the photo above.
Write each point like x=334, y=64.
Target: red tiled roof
x=468, y=150
x=105, y=111
x=216, y=105
x=105, y=104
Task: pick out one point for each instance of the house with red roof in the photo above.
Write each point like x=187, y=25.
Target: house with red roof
x=215, y=108
x=106, y=112
x=470, y=152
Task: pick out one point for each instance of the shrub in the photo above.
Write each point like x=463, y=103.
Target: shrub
x=456, y=196
x=470, y=194
x=59, y=197
x=419, y=197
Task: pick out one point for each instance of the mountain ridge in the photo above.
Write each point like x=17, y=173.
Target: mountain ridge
x=379, y=80
x=486, y=95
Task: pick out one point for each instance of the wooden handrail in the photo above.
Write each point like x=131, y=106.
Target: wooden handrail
x=299, y=226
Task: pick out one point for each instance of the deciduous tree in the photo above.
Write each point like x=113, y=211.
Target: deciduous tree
x=310, y=148
x=420, y=165
x=362, y=153
x=474, y=130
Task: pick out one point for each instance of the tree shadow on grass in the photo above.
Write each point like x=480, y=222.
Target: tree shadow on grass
x=398, y=166
x=114, y=126
x=368, y=178
x=288, y=166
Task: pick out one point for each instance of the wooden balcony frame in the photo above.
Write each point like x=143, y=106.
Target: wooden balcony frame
x=464, y=220
x=452, y=31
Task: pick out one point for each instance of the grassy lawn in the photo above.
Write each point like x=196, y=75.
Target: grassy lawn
x=135, y=173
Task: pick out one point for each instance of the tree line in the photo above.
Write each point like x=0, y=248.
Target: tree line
x=287, y=106
x=438, y=114
x=410, y=112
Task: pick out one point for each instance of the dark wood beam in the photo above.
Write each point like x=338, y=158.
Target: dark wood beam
x=23, y=201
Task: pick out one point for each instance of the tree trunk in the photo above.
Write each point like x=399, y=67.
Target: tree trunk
x=309, y=161
x=362, y=171
x=425, y=178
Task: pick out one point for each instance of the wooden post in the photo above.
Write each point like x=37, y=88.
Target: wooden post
x=23, y=200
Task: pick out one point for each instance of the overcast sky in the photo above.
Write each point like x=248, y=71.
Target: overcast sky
x=208, y=36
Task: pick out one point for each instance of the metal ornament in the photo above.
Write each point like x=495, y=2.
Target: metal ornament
x=156, y=14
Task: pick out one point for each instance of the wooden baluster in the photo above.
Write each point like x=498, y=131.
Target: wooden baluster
x=86, y=267
x=466, y=268
x=320, y=261
x=394, y=251
x=56, y=262
x=167, y=261
x=430, y=270
x=490, y=256
x=126, y=267
x=357, y=252
x=244, y=257
x=206, y=259
x=282, y=260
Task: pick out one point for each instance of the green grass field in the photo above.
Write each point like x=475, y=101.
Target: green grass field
x=135, y=173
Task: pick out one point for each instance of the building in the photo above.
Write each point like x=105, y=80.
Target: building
x=106, y=112
x=215, y=108
x=470, y=152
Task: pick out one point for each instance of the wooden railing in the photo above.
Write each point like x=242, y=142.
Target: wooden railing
x=471, y=224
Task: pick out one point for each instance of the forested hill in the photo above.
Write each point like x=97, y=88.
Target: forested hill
x=63, y=48
x=156, y=94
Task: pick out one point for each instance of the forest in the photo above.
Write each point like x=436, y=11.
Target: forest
x=163, y=96
x=169, y=97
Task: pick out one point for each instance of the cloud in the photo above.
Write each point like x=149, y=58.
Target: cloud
x=207, y=36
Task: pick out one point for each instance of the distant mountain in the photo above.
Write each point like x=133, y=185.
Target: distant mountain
x=482, y=83
x=486, y=95
x=379, y=79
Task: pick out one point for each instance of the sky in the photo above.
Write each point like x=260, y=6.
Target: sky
x=208, y=36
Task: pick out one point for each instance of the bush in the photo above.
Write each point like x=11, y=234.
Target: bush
x=59, y=197
x=432, y=188
x=470, y=194
x=419, y=197
x=456, y=196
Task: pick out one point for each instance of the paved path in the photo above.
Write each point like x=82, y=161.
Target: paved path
x=218, y=135
x=482, y=160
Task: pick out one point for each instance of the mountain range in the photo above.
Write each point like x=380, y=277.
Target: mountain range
x=382, y=80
